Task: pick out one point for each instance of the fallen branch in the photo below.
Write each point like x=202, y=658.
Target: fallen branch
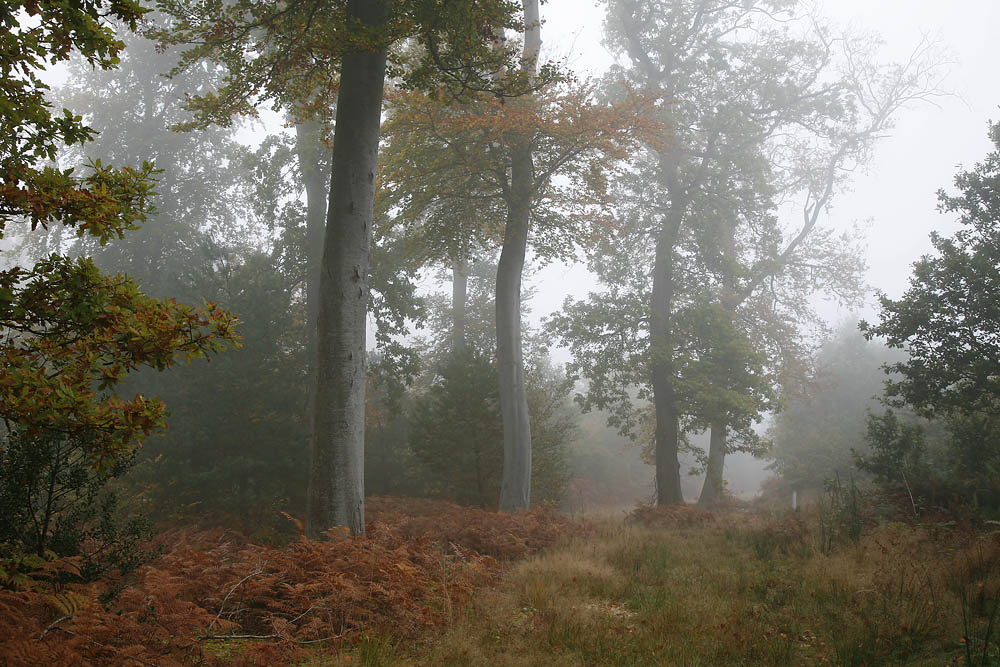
x=260, y=570
x=280, y=634
x=52, y=626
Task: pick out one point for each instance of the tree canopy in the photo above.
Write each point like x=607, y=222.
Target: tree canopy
x=73, y=334
x=947, y=318
x=947, y=322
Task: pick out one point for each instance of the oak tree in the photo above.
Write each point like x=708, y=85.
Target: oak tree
x=73, y=334
x=759, y=113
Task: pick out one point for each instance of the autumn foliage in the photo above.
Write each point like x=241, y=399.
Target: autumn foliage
x=265, y=604
x=671, y=516
x=497, y=534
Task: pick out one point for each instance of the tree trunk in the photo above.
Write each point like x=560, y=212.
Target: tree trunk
x=515, y=490
x=459, y=299
x=336, y=484
x=532, y=36
x=668, y=475
x=712, y=489
x=309, y=147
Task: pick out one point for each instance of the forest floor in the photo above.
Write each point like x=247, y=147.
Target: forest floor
x=670, y=586
x=682, y=587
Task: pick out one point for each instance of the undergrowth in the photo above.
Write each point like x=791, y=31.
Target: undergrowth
x=678, y=586
x=437, y=584
x=215, y=597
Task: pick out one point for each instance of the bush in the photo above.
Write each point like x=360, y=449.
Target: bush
x=841, y=517
x=56, y=503
x=457, y=435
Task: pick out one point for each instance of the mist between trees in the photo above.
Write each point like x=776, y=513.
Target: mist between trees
x=420, y=144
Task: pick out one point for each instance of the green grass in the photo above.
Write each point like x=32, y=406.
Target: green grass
x=745, y=591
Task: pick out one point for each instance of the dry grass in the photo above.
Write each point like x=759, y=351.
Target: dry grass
x=665, y=587
x=735, y=590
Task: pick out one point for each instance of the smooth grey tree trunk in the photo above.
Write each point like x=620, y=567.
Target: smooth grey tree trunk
x=515, y=489
x=459, y=302
x=309, y=148
x=712, y=489
x=336, y=483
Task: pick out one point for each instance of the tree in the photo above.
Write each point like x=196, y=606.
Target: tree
x=680, y=200
x=947, y=322
x=759, y=114
x=457, y=435
x=73, y=333
x=133, y=108
x=515, y=491
x=268, y=48
x=229, y=228
x=336, y=482
x=456, y=199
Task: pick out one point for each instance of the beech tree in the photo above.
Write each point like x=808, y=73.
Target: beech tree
x=456, y=199
x=281, y=54
x=456, y=433
x=515, y=490
x=809, y=259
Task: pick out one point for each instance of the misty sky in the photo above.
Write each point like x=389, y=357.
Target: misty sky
x=895, y=198
x=897, y=193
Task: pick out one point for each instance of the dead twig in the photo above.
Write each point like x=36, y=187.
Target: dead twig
x=909, y=493
x=258, y=571
x=52, y=626
x=279, y=634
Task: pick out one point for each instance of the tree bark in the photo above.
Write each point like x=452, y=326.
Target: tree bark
x=668, y=476
x=532, y=35
x=459, y=299
x=309, y=147
x=661, y=344
x=515, y=490
x=336, y=484
x=712, y=489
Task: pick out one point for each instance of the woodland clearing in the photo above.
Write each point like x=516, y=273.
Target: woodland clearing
x=666, y=586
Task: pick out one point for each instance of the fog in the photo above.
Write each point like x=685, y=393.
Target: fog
x=894, y=197
x=485, y=332
x=891, y=200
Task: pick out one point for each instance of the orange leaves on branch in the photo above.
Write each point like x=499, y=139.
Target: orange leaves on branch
x=71, y=334
x=74, y=334
x=444, y=164
x=105, y=204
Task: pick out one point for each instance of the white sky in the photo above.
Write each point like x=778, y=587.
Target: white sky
x=898, y=191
